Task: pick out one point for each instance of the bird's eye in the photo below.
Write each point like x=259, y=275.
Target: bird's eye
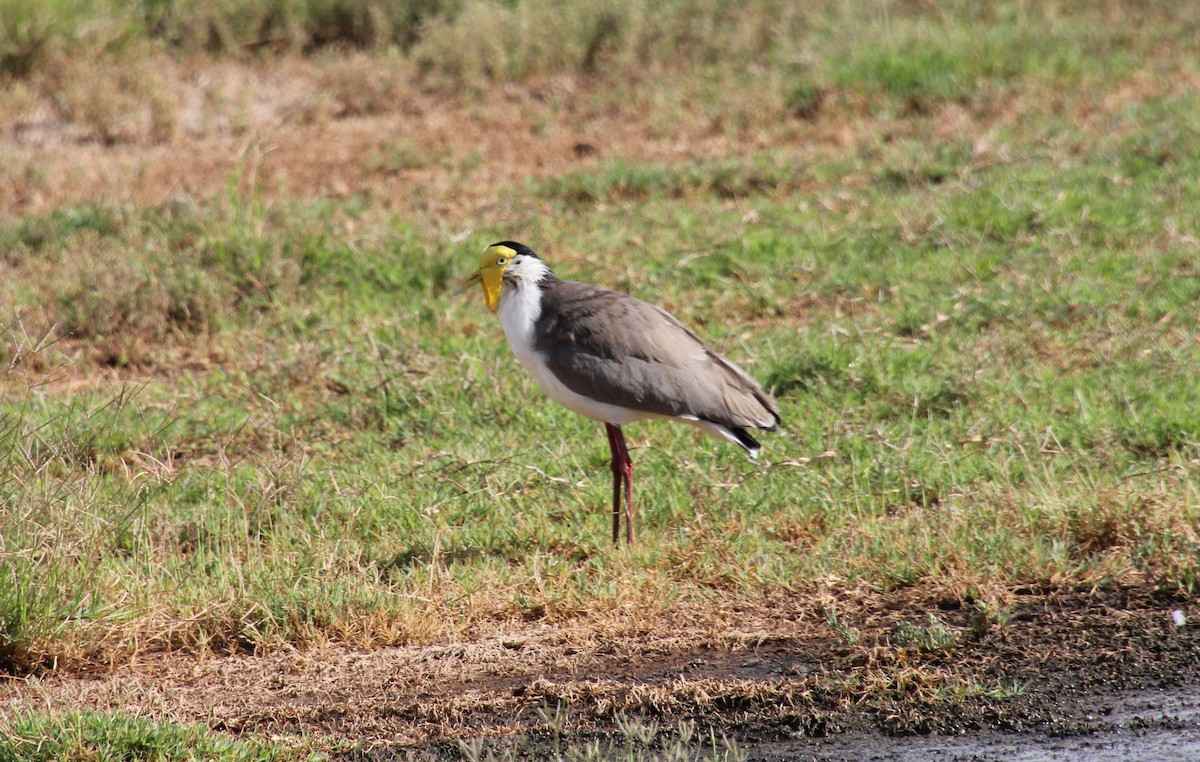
x=502, y=260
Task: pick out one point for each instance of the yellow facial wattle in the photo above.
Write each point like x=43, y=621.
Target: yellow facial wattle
x=491, y=273
x=493, y=281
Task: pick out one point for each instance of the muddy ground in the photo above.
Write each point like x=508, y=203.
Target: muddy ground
x=1065, y=673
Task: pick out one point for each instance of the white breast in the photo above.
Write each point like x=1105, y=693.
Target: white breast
x=519, y=310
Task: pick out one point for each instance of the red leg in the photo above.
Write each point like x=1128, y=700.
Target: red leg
x=616, y=446
x=622, y=468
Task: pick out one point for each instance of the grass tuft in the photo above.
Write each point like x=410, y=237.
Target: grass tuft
x=92, y=735
x=622, y=181
x=930, y=637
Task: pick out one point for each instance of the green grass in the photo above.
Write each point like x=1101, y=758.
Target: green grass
x=111, y=69
x=621, y=180
x=103, y=737
x=915, y=54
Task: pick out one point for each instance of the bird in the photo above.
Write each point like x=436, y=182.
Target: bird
x=616, y=359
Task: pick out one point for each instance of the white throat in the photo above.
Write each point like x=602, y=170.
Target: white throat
x=520, y=307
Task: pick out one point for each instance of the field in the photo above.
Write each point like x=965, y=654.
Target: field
x=272, y=488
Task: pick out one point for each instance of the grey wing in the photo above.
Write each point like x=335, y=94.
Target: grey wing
x=617, y=349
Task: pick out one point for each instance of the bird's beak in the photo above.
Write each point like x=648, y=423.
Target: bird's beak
x=467, y=283
x=493, y=281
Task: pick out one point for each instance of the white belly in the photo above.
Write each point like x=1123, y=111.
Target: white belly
x=557, y=391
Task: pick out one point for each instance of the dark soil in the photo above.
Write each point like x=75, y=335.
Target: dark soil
x=1057, y=673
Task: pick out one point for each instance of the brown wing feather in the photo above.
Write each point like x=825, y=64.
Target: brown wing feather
x=622, y=351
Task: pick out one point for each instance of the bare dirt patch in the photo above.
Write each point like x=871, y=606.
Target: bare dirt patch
x=778, y=677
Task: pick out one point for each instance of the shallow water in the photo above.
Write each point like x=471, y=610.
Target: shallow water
x=1141, y=726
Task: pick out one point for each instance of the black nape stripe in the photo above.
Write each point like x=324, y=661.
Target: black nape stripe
x=520, y=248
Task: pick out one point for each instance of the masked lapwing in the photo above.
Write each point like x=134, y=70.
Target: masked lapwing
x=617, y=359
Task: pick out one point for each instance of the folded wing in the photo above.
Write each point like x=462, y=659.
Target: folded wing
x=620, y=350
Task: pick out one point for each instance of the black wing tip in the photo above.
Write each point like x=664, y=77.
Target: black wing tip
x=772, y=407
x=744, y=439
x=775, y=423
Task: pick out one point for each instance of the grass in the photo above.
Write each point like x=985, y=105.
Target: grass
x=250, y=423
x=95, y=736
x=995, y=369
x=523, y=38
x=620, y=180
x=636, y=739
x=789, y=55
x=108, y=69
